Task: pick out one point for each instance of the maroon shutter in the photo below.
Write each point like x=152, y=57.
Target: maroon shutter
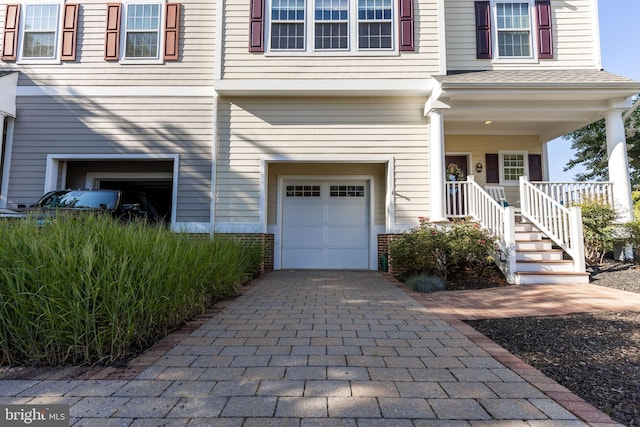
x=256, y=26
x=483, y=30
x=406, y=25
x=69, y=32
x=112, y=33
x=535, y=167
x=10, y=39
x=493, y=168
x=172, y=32
x=545, y=36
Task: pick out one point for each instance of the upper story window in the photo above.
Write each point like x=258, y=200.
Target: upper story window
x=335, y=26
x=142, y=32
x=40, y=32
x=41, y=25
x=514, y=30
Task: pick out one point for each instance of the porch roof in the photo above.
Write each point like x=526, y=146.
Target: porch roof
x=546, y=103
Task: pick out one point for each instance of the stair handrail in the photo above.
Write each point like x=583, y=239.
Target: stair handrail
x=570, y=193
x=562, y=225
x=499, y=221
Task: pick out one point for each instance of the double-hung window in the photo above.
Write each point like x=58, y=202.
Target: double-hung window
x=40, y=31
x=513, y=27
x=142, y=31
x=514, y=30
x=288, y=25
x=514, y=164
x=341, y=26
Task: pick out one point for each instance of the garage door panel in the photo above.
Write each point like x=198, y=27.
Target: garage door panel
x=346, y=213
x=353, y=258
x=300, y=213
x=301, y=258
x=345, y=236
x=302, y=235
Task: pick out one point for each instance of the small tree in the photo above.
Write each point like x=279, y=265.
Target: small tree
x=597, y=224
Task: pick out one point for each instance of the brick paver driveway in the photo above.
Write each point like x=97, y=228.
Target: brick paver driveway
x=311, y=348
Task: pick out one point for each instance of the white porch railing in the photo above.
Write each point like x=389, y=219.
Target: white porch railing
x=560, y=224
x=572, y=193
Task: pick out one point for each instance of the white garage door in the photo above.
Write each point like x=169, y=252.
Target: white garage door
x=325, y=225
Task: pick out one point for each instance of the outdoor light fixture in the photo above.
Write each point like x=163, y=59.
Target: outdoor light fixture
x=479, y=167
x=488, y=122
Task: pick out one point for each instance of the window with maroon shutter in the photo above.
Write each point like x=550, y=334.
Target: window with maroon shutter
x=406, y=25
x=69, y=32
x=10, y=39
x=535, y=167
x=112, y=34
x=256, y=26
x=172, y=32
x=545, y=36
x=493, y=168
x=483, y=29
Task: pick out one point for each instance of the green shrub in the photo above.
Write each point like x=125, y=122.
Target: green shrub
x=597, y=223
x=425, y=283
x=88, y=289
x=460, y=249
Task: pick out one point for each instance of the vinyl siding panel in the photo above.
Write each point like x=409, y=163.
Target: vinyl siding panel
x=239, y=63
x=109, y=126
x=194, y=68
x=574, y=38
x=323, y=127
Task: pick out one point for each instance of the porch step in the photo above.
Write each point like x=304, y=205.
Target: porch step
x=528, y=235
x=539, y=255
x=555, y=278
x=545, y=266
x=533, y=245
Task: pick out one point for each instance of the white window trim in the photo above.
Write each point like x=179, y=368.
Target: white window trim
x=56, y=48
x=525, y=172
x=533, y=37
x=123, y=34
x=309, y=27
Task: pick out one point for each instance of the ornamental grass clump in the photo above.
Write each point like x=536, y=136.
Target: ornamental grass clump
x=87, y=289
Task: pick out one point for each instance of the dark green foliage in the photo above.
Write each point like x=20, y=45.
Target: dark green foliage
x=87, y=289
x=446, y=252
x=597, y=224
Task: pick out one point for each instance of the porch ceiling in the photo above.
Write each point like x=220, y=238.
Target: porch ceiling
x=8, y=84
x=547, y=104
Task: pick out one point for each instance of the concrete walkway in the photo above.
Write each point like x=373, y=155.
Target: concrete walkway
x=310, y=348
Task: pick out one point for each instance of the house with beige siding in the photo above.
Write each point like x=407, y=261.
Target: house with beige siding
x=320, y=127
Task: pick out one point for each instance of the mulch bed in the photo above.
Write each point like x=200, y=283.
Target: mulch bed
x=595, y=355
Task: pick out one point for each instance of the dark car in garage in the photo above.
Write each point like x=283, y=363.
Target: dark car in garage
x=124, y=205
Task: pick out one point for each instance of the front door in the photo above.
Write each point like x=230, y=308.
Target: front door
x=455, y=193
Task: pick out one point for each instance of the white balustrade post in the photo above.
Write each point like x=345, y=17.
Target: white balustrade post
x=510, y=242
x=436, y=163
x=577, y=239
x=619, y=165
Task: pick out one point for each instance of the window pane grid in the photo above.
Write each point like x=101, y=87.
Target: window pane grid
x=142, y=31
x=375, y=19
x=41, y=23
x=287, y=24
x=514, y=29
x=346, y=191
x=513, y=165
x=332, y=24
x=303, y=191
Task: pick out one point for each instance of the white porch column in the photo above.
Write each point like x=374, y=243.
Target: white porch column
x=619, y=164
x=436, y=165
